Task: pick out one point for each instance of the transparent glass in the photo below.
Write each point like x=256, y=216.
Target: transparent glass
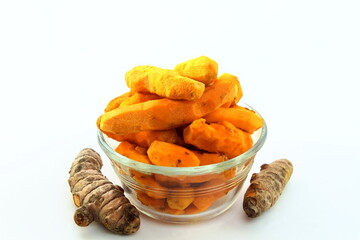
x=183, y=194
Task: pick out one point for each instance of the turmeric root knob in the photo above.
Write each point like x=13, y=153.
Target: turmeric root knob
x=266, y=187
x=97, y=198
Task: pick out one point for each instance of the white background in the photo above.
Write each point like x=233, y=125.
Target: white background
x=299, y=65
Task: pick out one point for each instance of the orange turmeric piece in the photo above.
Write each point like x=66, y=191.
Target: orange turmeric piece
x=240, y=117
x=153, y=188
x=115, y=102
x=182, y=201
x=171, y=211
x=163, y=82
x=171, y=155
x=209, y=158
x=202, y=69
x=192, y=209
x=145, y=138
x=139, y=98
x=235, y=80
x=205, y=201
x=129, y=150
x=149, y=201
x=220, y=137
x=163, y=114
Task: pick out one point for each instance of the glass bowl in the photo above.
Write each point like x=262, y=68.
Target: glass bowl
x=183, y=194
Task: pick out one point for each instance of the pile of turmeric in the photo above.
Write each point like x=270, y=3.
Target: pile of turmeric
x=185, y=117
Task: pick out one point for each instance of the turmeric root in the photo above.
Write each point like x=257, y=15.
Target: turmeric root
x=240, y=117
x=115, y=102
x=220, y=137
x=139, y=98
x=182, y=201
x=209, y=158
x=97, y=198
x=202, y=69
x=153, y=188
x=171, y=155
x=145, y=138
x=163, y=82
x=164, y=114
x=266, y=187
x=129, y=150
x=149, y=201
x=235, y=80
x=204, y=201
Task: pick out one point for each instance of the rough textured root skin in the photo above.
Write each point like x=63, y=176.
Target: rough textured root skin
x=97, y=198
x=83, y=216
x=266, y=187
x=202, y=69
x=163, y=82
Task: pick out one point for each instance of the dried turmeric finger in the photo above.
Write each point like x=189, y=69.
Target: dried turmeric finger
x=115, y=102
x=171, y=155
x=163, y=82
x=220, y=137
x=139, y=98
x=209, y=158
x=129, y=150
x=183, y=201
x=99, y=199
x=240, y=117
x=202, y=69
x=235, y=80
x=153, y=188
x=266, y=187
x=163, y=114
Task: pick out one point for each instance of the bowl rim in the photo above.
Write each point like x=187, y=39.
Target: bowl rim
x=198, y=170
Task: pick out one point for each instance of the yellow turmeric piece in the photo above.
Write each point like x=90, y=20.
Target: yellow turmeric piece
x=149, y=201
x=171, y=155
x=202, y=69
x=266, y=187
x=163, y=114
x=182, y=201
x=163, y=82
x=145, y=138
x=209, y=158
x=153, y=188
x=115, y=102
x=220, y=137
x=192, y=209
x=235, y=80
x=129, y=150
x=138, y=98
x=205, y=201
x=240, y=117
x=171, y=211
